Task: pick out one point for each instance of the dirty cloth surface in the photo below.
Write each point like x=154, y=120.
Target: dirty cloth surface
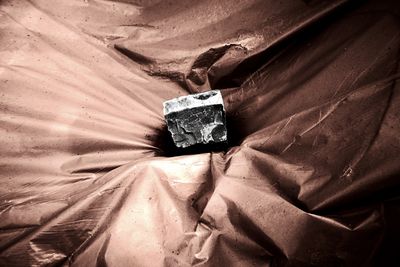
x=311, y=175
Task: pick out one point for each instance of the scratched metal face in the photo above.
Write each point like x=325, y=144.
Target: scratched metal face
x=196, y=119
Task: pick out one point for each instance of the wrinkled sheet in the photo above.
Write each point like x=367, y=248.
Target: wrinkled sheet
x=88, y=176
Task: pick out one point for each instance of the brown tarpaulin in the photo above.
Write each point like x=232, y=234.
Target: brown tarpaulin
x=89, y=177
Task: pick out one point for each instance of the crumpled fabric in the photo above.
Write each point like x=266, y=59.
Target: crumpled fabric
x=88, y=174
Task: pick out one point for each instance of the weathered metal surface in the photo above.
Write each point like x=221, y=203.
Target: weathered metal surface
x=196, y=119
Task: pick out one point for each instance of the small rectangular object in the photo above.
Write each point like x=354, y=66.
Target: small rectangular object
x=196, y=119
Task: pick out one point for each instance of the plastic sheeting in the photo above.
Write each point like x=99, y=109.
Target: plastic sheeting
x=89, y=177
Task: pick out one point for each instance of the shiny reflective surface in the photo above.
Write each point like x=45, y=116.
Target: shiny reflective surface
x=311, y=93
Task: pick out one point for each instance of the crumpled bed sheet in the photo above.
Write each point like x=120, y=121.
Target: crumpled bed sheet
x=89, y=177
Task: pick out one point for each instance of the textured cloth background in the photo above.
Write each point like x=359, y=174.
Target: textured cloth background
x=88, y=176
